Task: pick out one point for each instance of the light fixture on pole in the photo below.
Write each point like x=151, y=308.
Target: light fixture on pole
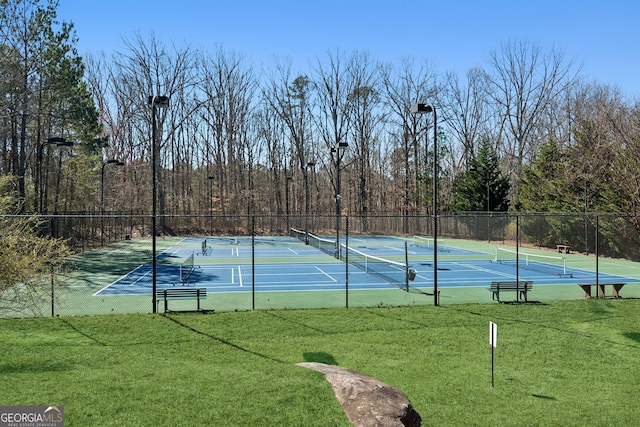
x=339, y=151
x=310, y=165
x=155, y=102
x=424, y=109
x=59, y=142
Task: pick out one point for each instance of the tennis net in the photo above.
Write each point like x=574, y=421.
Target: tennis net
x=327, y=246
x=428, y=243
x=550, y=264
x=186, y=268
x=393, y=272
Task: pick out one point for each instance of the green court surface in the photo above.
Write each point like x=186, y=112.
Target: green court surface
x=94, y=271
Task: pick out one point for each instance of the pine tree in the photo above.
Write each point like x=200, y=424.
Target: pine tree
x=482, y=188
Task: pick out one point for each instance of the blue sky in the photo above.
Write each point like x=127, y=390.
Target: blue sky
x=602, y=36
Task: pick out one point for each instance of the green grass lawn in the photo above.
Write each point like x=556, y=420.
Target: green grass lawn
x=569, y=363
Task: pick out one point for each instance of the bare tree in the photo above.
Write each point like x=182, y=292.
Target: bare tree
x=405, y=85
x=290, y=98
x=228, y=86
x=624, y=193
x=147, y=68
x=366, y=118
x=523, y=81
x=464, y=110
x=331, y=120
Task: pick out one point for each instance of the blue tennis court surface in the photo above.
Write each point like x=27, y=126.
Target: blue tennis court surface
x=287, y=264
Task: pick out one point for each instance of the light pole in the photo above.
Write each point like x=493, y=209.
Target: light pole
x=210, y=180
x=115, y=162
x=59, y=142
x=310, y=165
x=486, y=177
x=286, y=196
x=155, y=102
x=423, y=109
x=339, y=150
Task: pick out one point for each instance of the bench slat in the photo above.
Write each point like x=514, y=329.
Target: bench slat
x=180, y=293
x=523, y=286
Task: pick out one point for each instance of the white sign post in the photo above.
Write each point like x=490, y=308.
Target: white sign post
x=493, y=341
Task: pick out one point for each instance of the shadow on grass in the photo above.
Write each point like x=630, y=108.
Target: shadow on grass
x=632, y=335
x=320, y=357
x=34, y=368
x=221, y=340
x=84, y=334
x=540, y=396
x=531, y=302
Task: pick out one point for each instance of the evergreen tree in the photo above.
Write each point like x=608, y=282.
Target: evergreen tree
x=482, y=188
x=44, y=94
x=543, y=187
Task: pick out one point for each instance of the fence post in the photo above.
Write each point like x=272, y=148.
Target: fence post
x=53, y=299
x=346, y=261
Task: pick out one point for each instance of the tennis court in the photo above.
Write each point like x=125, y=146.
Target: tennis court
x=277, y=264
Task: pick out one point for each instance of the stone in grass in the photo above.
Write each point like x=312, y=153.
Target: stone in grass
x=367, y=401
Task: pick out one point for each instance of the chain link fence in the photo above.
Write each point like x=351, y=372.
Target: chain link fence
x=110, y=247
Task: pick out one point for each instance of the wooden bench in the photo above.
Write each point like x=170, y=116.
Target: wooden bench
x=615, y=291
x=180, y=294
x=510, y=286
x=564, y=248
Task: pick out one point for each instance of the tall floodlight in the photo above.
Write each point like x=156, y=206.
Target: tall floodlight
x=424, y=109
x=59, y=142
x=286, y=196
x=155, y=102
x=339, y=152
x=310, y=165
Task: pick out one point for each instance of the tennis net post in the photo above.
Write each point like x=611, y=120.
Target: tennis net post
x=186, y=268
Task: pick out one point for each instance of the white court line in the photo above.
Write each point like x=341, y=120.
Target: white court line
x=140, y=278
x=400, y=249
x=240, y=276
x=486, y=270
x=168, y=253
x=293, y=251
x=233, y=276
x=326, y=274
